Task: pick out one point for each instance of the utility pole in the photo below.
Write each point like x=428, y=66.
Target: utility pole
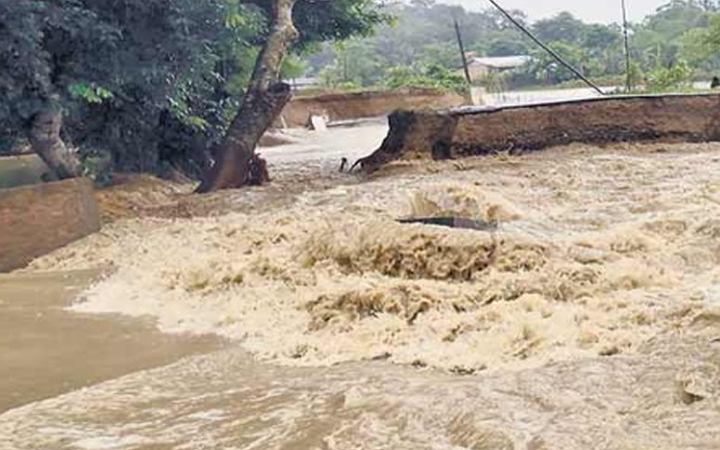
x=628, y=68
x=462, y=51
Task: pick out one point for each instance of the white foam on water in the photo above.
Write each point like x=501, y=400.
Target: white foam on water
x=334, y=278
x=591, y=303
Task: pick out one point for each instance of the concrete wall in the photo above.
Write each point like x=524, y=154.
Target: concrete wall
x=468, y=132
x=38, y=219
x=365, y=104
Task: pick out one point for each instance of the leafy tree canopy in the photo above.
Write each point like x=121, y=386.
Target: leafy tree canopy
x=146, y=83
x=423, y=34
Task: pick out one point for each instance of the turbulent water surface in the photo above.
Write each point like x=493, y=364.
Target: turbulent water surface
x=589, y=318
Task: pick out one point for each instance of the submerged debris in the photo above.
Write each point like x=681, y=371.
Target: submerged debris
x=453, y=222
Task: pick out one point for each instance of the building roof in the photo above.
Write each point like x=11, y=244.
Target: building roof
x=501, y=62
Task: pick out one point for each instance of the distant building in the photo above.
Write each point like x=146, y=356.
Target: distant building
x=480, y=67
x=303, y=83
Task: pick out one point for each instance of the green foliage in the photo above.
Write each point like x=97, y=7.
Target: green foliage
x=693, y=46
x=152, y=84
x=662, y=39
x=546, y=69
x=112, y=67
x=433, y=76
x=354, y=64
x=336, y=20
x=293, y=67
x=709, y=47
x=664, y=79
x=636, y=77
x=563, y=27
x=90, y=93
x=423, y=34
x=506, y=44
x=712, y=38
x=146, y=85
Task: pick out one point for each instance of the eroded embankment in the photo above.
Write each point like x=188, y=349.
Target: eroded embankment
x=597, y=252
x=357, y=105
x=467, y=132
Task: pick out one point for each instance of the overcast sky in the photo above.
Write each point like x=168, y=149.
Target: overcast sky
x=588, y=10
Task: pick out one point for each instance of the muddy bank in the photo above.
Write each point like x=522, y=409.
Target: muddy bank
x=468, y=132
x=46, y=351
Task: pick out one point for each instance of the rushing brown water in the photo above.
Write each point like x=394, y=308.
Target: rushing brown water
x=589, y=319
x=46, y=350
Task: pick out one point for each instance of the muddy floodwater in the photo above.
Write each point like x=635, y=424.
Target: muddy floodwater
x=46, y=350
x=588, y=318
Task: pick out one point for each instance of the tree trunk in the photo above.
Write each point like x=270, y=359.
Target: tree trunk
x=46, y=142
x=236, y=164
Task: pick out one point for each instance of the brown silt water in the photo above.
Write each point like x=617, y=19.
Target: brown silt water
x=588, y=318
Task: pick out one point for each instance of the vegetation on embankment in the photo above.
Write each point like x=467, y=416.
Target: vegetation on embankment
x=153, y=86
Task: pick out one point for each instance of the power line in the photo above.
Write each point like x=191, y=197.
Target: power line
x=552, y=52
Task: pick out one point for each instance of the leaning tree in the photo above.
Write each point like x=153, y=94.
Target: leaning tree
x=27, y=100
x=122, y=77
x=292, y=24
x=106, y=75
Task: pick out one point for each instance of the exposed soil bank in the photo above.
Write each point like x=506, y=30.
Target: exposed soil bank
x=471, y=131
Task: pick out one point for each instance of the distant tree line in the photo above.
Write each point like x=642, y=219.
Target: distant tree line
x=681, y=33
